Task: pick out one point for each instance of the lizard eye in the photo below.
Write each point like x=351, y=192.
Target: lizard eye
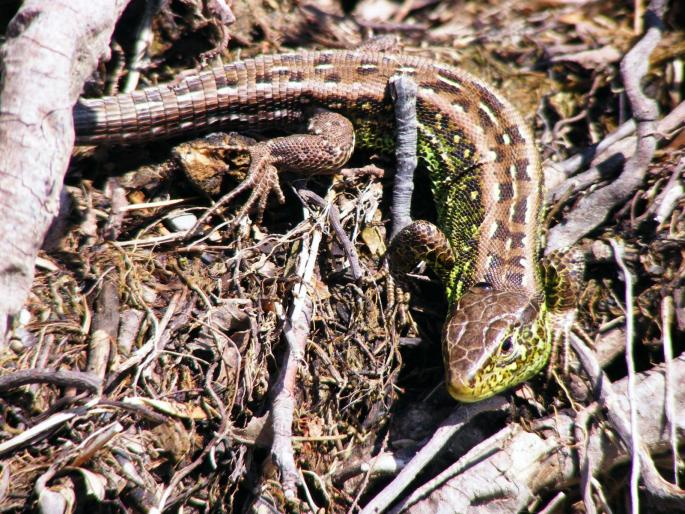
x=508, y=350
x=506, y=347
x=484, y=286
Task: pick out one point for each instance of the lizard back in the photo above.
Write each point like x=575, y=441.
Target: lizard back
x=482, y=163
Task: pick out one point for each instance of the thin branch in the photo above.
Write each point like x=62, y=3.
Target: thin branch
x=336, y=225
x=76, y=379
x=573, y=164
x=44, y=428
x=452, y=425
x=667, y=315
x=593, y=209
x=617, y=146
x=619, y=252
x=403, y=90
x=143, y=40
x=613, y=402
x=295, y=331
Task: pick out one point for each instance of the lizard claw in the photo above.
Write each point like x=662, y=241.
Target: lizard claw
x=263, y=183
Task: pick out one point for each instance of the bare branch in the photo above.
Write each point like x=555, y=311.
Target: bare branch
x=593, y=209
x=51, y=48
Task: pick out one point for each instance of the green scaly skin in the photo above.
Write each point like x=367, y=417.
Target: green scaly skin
x=481, y=160
x=456, y=189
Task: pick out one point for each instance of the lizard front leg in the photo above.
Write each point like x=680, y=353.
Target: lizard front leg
x=564, y=273
x=421, y=241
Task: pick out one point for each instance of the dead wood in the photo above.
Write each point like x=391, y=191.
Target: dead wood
x=594, y=208
x=523, y=464
x=76, y=379
x=51, y=48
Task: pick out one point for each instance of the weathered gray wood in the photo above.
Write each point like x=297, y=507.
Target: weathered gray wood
x=50, y=50
x=520, y=465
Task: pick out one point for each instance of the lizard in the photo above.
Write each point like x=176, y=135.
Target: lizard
x=482, y=164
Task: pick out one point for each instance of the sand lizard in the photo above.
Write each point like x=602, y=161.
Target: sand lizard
x=481, y=159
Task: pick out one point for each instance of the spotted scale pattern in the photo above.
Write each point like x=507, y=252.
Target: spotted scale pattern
x=482, y=163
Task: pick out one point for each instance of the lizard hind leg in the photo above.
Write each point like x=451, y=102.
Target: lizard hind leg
x=261, y=181
x=325, y=149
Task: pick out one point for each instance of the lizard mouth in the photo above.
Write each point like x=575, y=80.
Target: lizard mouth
x=466, y=393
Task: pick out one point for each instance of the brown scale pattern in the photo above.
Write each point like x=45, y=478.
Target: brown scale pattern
x=481, y=158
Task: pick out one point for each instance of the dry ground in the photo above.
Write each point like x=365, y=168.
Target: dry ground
x=187, y=337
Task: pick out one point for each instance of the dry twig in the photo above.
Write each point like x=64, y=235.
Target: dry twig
x=450, y=427
x=296, y=329
x=594, y=208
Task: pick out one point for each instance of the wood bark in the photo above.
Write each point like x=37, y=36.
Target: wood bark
x=50, y=50
x=521, y=465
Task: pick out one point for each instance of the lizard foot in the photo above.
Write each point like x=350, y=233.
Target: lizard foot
x=262, y=179
x=324, y=149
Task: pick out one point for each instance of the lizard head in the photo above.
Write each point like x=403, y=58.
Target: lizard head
x=493, y=340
